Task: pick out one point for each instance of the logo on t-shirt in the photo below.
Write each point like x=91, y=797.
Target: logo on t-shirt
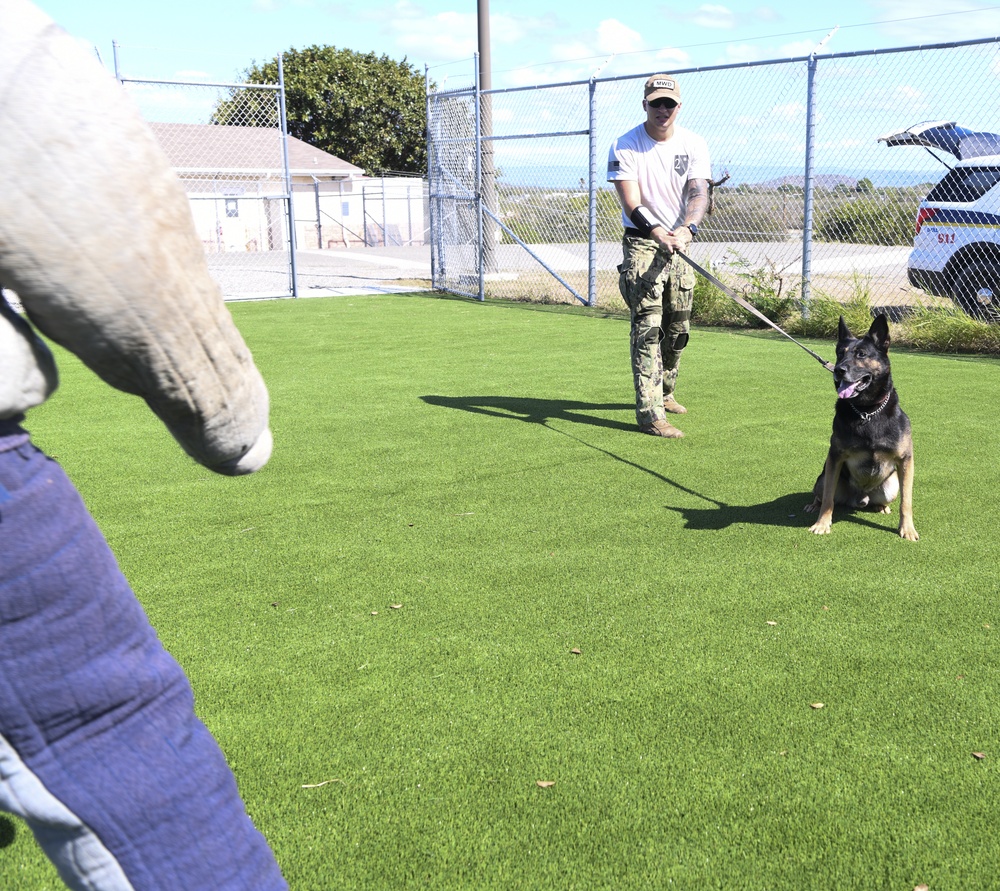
x=681, y=164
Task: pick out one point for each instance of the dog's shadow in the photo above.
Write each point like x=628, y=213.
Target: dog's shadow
x=785, y=510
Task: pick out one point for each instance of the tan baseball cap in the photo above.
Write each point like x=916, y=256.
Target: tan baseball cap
x=662, y=86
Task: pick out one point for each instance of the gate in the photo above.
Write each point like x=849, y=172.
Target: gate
x=228, y=145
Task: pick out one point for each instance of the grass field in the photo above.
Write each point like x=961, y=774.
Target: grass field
x=381, y=626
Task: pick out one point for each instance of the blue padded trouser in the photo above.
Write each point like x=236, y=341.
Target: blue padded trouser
x=100, y=750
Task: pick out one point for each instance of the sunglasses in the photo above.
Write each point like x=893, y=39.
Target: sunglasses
x=663, y=103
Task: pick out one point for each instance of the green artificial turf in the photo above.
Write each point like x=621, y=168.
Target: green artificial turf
x=380, y=626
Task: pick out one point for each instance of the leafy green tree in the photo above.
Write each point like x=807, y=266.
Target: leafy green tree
x=368, y=110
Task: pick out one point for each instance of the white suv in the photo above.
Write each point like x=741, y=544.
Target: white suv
x=956, y=249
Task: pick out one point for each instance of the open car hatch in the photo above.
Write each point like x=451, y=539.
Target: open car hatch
x=948, y=136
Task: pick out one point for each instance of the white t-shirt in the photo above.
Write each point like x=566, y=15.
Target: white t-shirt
x=660, y=168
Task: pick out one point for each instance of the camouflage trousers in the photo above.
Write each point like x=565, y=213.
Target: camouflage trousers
x=658, y=288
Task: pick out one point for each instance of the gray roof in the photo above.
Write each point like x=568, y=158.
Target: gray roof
x=216, y=148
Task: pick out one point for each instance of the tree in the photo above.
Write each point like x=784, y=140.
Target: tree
x=368, y=110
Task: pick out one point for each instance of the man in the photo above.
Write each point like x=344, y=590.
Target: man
x=661, y=172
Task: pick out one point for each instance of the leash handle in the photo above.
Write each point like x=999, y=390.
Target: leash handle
x=749, y=307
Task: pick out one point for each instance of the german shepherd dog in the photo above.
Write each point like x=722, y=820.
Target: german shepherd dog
x=871, y=450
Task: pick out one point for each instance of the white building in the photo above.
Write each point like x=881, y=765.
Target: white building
x=234, y=178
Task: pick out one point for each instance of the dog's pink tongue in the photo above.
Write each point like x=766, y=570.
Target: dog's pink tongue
x=847, y=392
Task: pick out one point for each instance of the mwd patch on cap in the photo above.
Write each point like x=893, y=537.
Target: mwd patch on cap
x=662, y=86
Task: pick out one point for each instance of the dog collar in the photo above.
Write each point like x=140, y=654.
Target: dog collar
x=866, y=416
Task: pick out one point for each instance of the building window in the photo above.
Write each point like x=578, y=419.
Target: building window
x=232, y=207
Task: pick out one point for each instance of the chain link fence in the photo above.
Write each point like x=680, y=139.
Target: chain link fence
x=246, y=178
x=809, y=201
x=225, y=142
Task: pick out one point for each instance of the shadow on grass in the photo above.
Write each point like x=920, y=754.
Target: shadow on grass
x=785, y=510
x=8, y=832
x=535, y=411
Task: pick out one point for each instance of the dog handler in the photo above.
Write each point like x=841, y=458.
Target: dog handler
x=661, y=173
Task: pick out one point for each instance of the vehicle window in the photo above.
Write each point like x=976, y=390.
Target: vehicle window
x=965, y=184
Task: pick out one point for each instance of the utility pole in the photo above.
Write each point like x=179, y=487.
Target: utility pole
x=489, y=190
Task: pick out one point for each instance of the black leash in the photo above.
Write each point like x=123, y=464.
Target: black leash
x=749, y=307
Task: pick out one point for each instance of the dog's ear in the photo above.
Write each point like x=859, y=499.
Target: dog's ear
x=843, y=332
x=879, y=332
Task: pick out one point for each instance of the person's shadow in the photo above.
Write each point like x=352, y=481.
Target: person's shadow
x=536, y=411
x=785, y=510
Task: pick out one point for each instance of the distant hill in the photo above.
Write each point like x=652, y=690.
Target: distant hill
x=828, y=181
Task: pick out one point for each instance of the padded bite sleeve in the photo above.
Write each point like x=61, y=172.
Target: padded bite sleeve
x=97, y=239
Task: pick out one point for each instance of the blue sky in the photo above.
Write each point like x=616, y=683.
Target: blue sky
x=532, y=41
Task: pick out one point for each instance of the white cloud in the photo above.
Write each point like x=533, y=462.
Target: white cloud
x=766, y=14
x=668, y=54
x=913, y=21
x=789, y=112
x=614, y=37
x=573, y=50
x=445, y=36
x=798, y=48
x=610, y=37
x=452, y=36
x=581, y=53
x=743, y=52
x=710, y=15
x=275, y=5
x=507, y=29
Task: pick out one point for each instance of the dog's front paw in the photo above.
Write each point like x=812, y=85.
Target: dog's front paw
x=820, y=527
x=812, y=506
x=907, y=531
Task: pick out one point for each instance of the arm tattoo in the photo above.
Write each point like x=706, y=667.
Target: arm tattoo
x=697, y=200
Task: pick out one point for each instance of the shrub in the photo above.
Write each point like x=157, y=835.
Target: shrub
x=764, y=288
x=869, y=221
x=751, y=215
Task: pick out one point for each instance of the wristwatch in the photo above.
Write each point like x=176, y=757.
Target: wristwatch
x=693, y=227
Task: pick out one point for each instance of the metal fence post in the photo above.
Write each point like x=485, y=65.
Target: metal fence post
x=592, y=197
x=431, y=209
x=479, y=185
x=288, y=177
x=385, y=221
x=807, y=219
x=364, y=215
x=319, y=215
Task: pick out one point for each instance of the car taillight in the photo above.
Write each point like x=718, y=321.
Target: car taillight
x=923, y=215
